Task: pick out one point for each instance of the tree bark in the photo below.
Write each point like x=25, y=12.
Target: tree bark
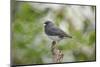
x=56, y=53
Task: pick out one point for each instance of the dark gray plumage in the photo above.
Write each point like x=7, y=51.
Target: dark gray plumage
x=52, y=30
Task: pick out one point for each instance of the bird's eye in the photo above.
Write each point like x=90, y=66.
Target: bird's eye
x=45, y=23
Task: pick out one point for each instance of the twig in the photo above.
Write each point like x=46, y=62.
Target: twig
x=56, y=52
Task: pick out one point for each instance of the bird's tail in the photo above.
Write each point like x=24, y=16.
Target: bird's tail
x=68, y=36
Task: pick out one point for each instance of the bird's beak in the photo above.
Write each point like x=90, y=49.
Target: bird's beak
x=44, y=24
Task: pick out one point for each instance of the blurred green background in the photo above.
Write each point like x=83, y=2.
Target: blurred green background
x=30, y=45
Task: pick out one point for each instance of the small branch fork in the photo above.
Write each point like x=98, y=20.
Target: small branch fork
x=56, y=53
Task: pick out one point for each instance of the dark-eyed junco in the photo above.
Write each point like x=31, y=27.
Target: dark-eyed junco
x=53, y=32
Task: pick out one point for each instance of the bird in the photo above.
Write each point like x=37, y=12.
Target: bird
x=53, y=32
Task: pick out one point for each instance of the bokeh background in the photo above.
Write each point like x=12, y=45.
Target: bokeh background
x=30, y=45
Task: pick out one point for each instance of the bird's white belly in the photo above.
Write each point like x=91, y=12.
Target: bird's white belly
x=54, y=38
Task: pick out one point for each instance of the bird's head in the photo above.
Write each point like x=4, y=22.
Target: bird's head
x=48, y=22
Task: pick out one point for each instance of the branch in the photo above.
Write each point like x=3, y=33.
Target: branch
x=56, y=52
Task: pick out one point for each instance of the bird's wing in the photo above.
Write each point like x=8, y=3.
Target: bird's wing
x=58, y=31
